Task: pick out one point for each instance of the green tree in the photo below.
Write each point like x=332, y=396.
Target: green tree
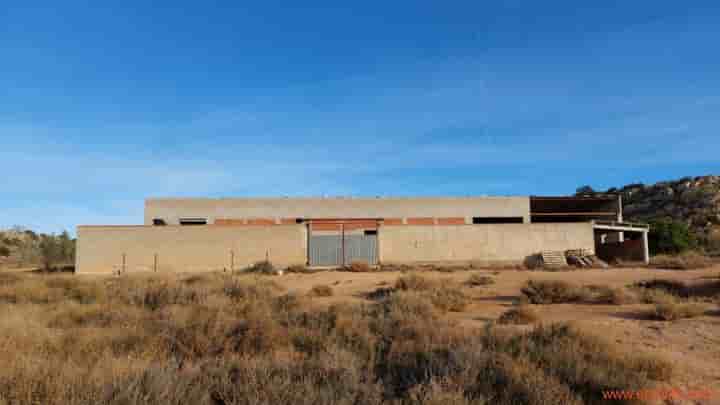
x=4, y=251
x=668, y=236
x=50, y=251
x=67, y=248
x=584, y=190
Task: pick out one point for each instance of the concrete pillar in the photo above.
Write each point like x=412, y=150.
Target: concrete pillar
x=621, y=235
x=646, y=248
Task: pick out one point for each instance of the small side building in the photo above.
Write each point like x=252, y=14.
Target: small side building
x=202, y=234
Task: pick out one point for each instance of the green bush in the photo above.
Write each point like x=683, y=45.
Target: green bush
x=668, y=236
x=4, y=251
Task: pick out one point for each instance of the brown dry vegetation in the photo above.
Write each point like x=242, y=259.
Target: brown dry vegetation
x=520, y=315
x=221, y=339
x=671, y=311
x=685, y=261
x=563, y=292
x=321, y=291
x=477, y=280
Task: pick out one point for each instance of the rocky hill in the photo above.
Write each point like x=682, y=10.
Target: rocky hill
x=693, y=200
x=21, y=247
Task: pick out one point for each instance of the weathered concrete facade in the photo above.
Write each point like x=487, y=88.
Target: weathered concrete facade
x=171, y=210
x=188, y=235
x=481, y=244
x=106, y=249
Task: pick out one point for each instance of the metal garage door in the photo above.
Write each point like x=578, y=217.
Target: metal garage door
x=327, y=250
x=362, y=248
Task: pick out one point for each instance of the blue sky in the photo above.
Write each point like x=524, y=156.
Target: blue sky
x=104, y=105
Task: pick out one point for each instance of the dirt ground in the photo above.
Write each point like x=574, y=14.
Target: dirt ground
x=693, y=345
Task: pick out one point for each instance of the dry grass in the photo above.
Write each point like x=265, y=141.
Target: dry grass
x=443, y=294
x=553, y=292
x=415, y=282
x=358, y=267
x=520, y=315
x=562, y=292
x=685, y=261
x=705, y=289
x=602, y=294
x=298, y=268
x=477, y=280
x=671, y=311
x=262, y=267
x=321, y=291
x=219, y=339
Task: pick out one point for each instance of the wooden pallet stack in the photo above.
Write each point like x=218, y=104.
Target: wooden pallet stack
x=583, y=258
x=553, y=258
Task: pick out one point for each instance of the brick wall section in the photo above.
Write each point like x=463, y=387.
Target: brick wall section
x=325, y=227
x=227, y=221
x=421, y=221
x=451, y=221
x=392, y=221
x=261, y=221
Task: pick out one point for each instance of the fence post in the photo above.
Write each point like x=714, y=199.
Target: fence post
x=155, y=263
x=123, y=263
x=232, y=260
x=342, y=243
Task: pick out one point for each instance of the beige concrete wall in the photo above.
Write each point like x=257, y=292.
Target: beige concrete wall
x=503, y=243
x=172, y=209
x=187, y=248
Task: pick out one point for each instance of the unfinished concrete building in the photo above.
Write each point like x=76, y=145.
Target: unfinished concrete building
x=199, y=234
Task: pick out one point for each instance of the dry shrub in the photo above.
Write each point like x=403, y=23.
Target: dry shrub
x=447, y=298
x=235, y=340
x=262, y=267
x=477, y=280
x=330, y=377
x=552, y=292
x=244, y=290
x=671, y=311
x=520, y=315
x=408, y=304
x=689, y=260
x=672, y=287
x=358, y=267
x=84, y=292
x=34, y=290
x=653, y=296
x=438, y=393
x=602, y=294
x=9, y=278
x=199, y=279
x=587, y=364
x=156, y=295
x=704, y=289
x=321, y=291
x=298, y=268
x=414, y=282
x=73, y=315
x=560, y=292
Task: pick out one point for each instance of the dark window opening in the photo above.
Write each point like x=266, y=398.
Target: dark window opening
x=558, y=218
x=193, y=221
x=497, y=220
x=371, y=232
x=298, y=220
x=159, y=222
